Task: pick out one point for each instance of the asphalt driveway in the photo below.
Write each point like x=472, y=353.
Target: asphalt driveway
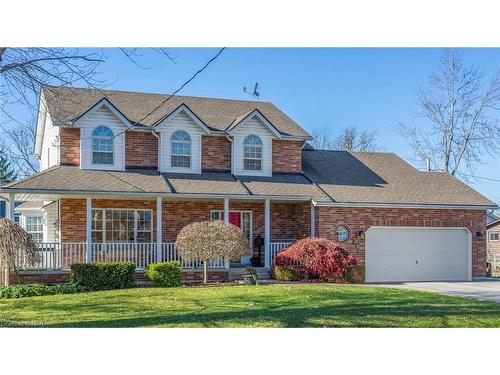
x=483, y=290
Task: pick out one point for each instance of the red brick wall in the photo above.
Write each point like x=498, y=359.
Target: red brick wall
x=493, y=247
x=287, y=156
x=69, y=141
x=72, y=220
x=141, y=150
x=356, y=219
x=215, y=153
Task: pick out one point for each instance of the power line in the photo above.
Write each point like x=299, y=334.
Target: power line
x=483, y=178
x=173, y=94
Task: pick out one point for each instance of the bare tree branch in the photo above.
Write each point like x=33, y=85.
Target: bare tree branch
x=460, y=118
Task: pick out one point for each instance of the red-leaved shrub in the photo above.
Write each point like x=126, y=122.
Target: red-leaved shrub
x=318, y=257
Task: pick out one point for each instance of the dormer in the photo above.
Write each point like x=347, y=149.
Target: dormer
x=180, y=139
x=252, y=136
x=102, y=137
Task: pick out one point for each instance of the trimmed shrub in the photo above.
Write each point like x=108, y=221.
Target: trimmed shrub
x=103, y=276
x=317, y=257
x=283, y=273
x=167, y=274
x=355, y=275
x=30, y=290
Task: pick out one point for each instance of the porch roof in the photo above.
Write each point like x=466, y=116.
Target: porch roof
x=71, y=180
x=74, y=179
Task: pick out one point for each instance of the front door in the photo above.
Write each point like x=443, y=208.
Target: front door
x=235, y=218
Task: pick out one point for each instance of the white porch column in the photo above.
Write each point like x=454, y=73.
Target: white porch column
x=267, y=233
x=313, y=220
x=11, y=206
x=226, y=210
x=226, y=220
x=159, y=233
x=89, y=229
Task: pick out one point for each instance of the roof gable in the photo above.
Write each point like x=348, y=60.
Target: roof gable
x=242, y=120
x=183, y=109
x=100, y=104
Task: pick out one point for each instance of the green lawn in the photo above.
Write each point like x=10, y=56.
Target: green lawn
x=251, y=306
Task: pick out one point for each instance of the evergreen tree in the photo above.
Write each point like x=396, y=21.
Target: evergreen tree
x=7, y=172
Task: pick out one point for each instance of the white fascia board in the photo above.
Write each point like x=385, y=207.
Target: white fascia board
x=103, y=103
x=40, y=125
x=183, y=108
x=262, y=118
x=402, y=205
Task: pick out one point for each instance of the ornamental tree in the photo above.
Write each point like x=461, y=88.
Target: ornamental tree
x=209, y=240
x=319, y=257
x=15, y=242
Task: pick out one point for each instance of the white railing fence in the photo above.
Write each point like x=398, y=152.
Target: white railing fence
x=59, y=256
x=55, y=256
x=170, y=253
x=276, y=247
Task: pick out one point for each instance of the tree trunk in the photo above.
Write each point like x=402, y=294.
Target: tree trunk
x=205, y=272
x=6, y=280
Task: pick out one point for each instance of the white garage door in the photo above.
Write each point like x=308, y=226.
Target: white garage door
x=417, y=254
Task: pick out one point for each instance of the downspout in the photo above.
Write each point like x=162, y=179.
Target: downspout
x=159, y=148
x=232, y=150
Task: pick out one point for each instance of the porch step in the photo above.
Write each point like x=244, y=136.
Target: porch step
x=237, y=273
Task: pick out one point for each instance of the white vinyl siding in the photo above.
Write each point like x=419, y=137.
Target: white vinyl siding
x=49, y=220
x=50, y=223
x=180, y=121
x=252, y=126
x=102, y=117
x=49, y=155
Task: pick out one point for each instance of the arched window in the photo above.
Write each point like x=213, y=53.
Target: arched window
x=181, y=150
x=102, y=145
x=252, y=153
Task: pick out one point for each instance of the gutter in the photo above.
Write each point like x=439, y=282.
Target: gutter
x=403, y=205
x=159, y=194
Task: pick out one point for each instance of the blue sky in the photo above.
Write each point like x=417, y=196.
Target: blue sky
x=330, y=87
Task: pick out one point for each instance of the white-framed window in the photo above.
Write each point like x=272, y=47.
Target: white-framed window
x=102, y=145
x=181, y=150
x=34, y=226
x=122, y=225
x=342, y=233
x=493, y=236
x=245, y=221
x=252, y=153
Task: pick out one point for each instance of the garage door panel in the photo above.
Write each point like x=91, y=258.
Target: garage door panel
x=416, y=254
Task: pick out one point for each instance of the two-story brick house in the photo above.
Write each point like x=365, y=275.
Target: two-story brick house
x=123, y=172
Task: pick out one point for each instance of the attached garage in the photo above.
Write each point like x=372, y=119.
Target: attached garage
x=394, y=254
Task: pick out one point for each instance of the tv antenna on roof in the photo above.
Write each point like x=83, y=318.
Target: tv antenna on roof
x=255, y=93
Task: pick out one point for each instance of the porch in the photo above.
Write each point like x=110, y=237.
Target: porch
x=143, y=230
x=57, y=256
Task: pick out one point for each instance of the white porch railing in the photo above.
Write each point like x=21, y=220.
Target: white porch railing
x=276, y=247
x=55, y=256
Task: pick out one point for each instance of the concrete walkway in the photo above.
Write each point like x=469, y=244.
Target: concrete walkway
x=483, y=290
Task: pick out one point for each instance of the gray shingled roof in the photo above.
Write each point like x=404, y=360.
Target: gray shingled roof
x=371, y=177
x=67, y=104
x=67, y=178
x=283, y=184
x=329, y=176
x=206, y=183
